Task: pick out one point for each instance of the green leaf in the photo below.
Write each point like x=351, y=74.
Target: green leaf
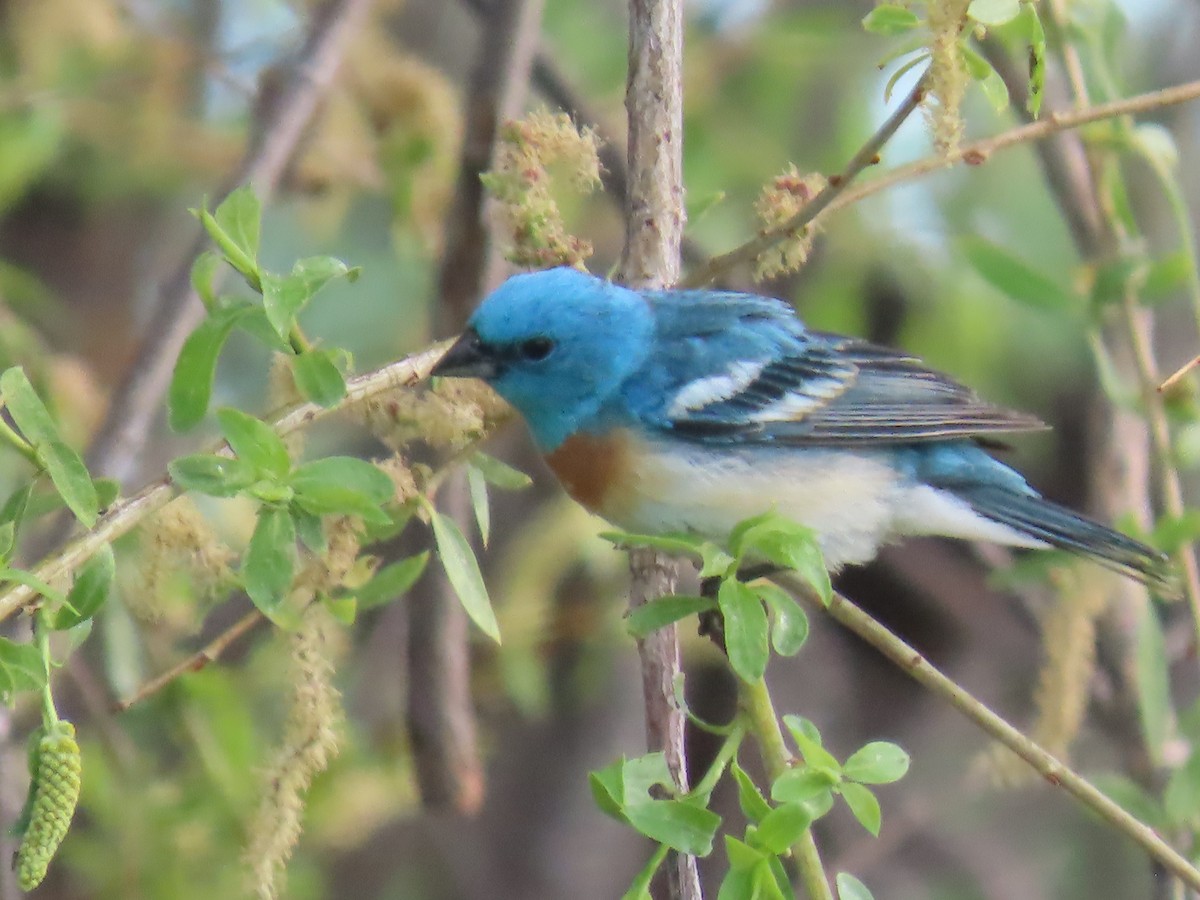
x=900, y=72
x=801, y=784
x=879, y=762
x=746, y=629
x=662, y=611
x=21, y=669
x=204, y=271
x=808, y=741
x=1014, y=278
x=310, y=529
x=993, y=12
x=987, y=77
x=270, y=560
x=676, y=823
x=284, y=296
x=1153, y=683
x=675, y=544
x=64, y=466
x=255, y=442
x=1029, y=27
x=195, y=369
x=343, y=609
x=89, y=591
x=107, y=491
x=779, y=540
x=782, y=827
x=234, y=227
x=864, y=805
x=754, y=807
x=343, y=485
x=11, y=517
x=217, y=476
x=31, y=581
x=639, y=888
x=889, y=19
x=850, y=888
x=500, y=474
x=477, y=485
x=608, y=789
x=392, y=581
x=318, y=378
x=462, y=569
x=789, y=623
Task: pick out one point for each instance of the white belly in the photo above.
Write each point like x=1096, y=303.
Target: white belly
x=854, y=501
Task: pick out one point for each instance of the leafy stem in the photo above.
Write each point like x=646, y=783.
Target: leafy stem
x=755, y=701
x=1054, y=771
x=18, y=443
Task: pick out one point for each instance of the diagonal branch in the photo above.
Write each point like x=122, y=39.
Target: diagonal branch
x=123, y=434
x=1054, y=771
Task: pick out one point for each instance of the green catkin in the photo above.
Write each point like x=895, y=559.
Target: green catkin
x=53, y=794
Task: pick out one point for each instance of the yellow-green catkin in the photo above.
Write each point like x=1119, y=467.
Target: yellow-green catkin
x=780, y=201
x=527, y=151
x=56, y=766
x=948, y=76
x=310, y=740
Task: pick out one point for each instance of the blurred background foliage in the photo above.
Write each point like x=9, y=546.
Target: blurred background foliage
x=116, y=116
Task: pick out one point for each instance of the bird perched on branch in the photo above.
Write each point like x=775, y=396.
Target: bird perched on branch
x=691, y=410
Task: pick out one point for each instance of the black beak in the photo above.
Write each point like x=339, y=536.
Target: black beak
x=467, y=358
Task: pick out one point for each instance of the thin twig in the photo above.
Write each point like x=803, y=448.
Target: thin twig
x=1179, y=374
x=867, y=155
x=654, y=216
x=978, y=152
x=124, y=515
x=118, y=444
x=210, y=652
x=1054, y=771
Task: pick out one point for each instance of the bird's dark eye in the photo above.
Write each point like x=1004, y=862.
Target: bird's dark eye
x=536, y=349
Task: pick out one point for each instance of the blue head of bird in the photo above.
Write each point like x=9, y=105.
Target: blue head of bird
x=555, y=344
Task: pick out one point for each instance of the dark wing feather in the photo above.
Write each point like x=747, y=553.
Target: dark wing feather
x=837, y=391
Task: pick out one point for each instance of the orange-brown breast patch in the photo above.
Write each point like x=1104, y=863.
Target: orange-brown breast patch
x=593, y=469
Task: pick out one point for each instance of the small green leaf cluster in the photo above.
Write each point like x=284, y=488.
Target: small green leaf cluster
x=801, y=795
x=1016, y=21
x=641, y=793
x=749, y=632
x=293, y=499
x=756, y=617
x=235, y=228
x=35, y=435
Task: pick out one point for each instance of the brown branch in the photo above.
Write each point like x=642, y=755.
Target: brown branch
x=867, y=155
x=654, y=217
x=119, y=443
x=1054, y=771
x=210, y=652
x=441, y=714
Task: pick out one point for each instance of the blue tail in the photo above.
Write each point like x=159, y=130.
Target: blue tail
x=1061, y=528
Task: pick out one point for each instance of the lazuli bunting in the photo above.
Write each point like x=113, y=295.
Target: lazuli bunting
x=693, y=410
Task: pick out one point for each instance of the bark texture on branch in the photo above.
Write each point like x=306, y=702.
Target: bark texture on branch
x=654, y=218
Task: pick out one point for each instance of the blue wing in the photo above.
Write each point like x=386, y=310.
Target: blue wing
x=741, y=368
